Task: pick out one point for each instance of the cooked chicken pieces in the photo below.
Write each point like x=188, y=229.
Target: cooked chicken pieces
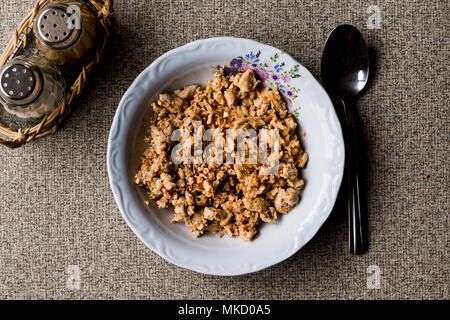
x=220, y=196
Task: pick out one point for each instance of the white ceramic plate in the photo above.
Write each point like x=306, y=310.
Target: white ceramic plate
x=308, y=101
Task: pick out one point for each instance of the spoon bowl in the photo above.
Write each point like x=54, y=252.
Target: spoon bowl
x=345, y=62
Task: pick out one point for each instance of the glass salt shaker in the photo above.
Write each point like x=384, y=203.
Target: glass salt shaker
x=30, y=87
x=66, y=31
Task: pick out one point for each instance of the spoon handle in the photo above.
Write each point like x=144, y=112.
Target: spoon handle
x=357, y=211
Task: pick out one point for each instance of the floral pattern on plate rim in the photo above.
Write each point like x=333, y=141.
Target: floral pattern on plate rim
x=271, y=72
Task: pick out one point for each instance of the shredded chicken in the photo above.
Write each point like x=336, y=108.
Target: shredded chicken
x=214, y=196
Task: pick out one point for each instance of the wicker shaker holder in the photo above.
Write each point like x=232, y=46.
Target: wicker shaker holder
x=14, y=138
x=66, y=31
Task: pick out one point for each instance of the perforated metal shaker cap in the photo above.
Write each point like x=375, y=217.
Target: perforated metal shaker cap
x=20, y=84
x=58, y=26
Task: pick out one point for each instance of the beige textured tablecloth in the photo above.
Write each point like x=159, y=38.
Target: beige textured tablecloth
x=57, y=209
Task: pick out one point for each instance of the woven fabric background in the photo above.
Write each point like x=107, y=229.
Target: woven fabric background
x=57, y=209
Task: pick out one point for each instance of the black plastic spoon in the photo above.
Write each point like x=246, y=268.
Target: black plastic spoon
x=345, y=71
